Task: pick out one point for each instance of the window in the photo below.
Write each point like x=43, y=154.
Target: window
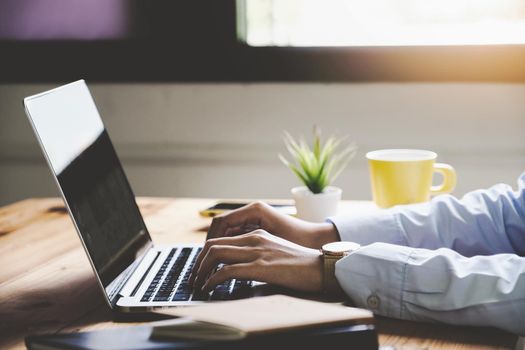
x=314, y=23
x=281, y=40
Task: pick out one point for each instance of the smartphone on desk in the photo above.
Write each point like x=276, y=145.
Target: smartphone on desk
x=222, y=207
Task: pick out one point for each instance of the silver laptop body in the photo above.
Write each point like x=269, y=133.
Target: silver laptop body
x=134, y=274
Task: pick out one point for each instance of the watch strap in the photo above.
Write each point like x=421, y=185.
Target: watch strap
x=330, y=284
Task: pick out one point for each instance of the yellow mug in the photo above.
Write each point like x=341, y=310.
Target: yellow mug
x=404, y=176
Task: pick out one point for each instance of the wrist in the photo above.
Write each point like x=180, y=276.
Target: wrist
x=308, y=234
x=331, y=253
x=324, y=233
x=319, y=272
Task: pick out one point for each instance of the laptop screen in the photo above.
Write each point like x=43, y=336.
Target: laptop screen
x=90, y=177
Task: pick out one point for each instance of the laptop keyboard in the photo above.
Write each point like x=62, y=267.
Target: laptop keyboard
x=171, y=281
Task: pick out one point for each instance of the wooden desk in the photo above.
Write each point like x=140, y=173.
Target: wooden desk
x=47, y=285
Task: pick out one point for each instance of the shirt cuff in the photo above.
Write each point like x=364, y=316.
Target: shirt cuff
x=374, y=277
x=378, y=226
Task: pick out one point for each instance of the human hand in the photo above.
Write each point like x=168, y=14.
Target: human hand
x=259, y=215
x=258, y=256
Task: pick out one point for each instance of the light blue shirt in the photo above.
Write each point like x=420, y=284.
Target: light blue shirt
x=458, y=261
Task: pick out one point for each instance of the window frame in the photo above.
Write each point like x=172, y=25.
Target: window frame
x=213, y=53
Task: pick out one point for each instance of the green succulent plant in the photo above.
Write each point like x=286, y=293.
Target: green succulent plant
x=318, y=166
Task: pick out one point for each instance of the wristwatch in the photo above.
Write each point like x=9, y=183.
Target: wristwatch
x=332, y=252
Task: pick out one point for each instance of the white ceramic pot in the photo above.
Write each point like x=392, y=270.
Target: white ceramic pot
x=316, y=207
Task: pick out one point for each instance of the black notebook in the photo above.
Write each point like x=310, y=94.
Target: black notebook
x=362, y=337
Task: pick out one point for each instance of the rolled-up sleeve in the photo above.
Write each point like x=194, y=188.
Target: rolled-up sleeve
x=458, y=261
x=437, y=285
x=483, y=222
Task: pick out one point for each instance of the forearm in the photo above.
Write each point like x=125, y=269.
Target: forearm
x=437, y=286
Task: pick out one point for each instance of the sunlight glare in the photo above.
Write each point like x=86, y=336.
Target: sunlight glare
x=384, y=22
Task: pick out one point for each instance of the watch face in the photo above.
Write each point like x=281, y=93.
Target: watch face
x=337, y=248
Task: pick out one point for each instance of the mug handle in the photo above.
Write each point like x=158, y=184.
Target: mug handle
x=449, y=179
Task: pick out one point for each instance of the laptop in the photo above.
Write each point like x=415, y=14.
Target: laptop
x=134, y=273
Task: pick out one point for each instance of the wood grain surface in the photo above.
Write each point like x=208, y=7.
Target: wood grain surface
x=47, y=285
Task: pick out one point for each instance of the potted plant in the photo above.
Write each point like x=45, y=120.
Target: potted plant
x=317, y=167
